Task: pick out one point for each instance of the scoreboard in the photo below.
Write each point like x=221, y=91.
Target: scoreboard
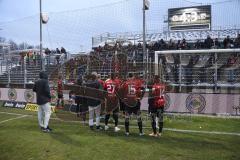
x=190, y=18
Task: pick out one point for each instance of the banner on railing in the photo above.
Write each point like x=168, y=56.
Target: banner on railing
x=205, y=103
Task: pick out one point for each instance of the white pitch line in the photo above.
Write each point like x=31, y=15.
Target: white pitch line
x=204, y=132
x=166, y=129
x=13, y=119
x=193, y=131
x=16, y=114
x=173, y=129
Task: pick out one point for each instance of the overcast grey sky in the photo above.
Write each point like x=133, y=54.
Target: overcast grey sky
x=17, y=9
x=86, y=18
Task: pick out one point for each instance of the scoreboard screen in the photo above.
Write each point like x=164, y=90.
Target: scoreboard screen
x=190, y=18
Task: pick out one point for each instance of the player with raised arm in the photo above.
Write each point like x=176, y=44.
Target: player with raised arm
x=112, y=85
x=60, y=101
x=156, y=108
x=120, y=82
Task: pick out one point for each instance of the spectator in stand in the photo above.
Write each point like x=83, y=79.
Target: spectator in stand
x=63, y=52
x=106, y=46
x=48, y=52
x=217, y=44
x=139, y=46
x=179, y=44
x=98, y=49
x=30, y=57
x=27, y=58
x=171, y=45
x=232, y=62
x=57, y=59
x=227, y=42
x=58, y=51
x=237, y=41
x=155, y=46
x=34, y=57
x=208, y=42
x=176, y=58
x=162, y=44
x=183, y=44
x=198, y=45
x=189, y=68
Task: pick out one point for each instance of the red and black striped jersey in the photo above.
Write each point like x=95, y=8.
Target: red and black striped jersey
x=158, y=90
x=132, y=91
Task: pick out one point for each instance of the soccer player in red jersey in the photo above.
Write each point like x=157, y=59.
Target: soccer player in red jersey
x=120, y=82
x=157, y=106
x=132, y=94
x=101, y=88
x=112, y=85
x=60, y=92
x=100, y=81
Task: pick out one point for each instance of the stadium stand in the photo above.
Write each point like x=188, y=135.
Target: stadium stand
x=123, y=53
x=33, y=67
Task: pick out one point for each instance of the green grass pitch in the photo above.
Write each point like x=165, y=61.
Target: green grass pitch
x=21, y=139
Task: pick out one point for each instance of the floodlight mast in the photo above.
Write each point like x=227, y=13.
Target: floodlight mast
x=145, y=57
x=41, y=54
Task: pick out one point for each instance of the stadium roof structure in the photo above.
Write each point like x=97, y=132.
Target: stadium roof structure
x=134, y=37
x=25, y=50
x=4, y=44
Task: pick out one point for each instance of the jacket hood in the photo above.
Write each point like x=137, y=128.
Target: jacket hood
x=43, y=75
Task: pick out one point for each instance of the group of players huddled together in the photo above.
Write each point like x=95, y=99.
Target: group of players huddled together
x=120, y=96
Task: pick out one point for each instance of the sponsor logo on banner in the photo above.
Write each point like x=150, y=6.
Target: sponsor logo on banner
x=167, y=101
x=31, y=107
x=29, y=95
x=195, y=103
x=20, y=105
x=9, y=104
x=34, y=107
x=12, y=94
x=53, y=96
x=13, y=104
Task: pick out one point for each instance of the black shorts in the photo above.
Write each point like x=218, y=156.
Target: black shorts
x=133, y=110
x=60, y=95
x=83, y=108
x=156, y=110
x=122, y=106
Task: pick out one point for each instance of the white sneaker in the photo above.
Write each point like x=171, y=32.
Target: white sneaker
x=153, y=135
x=106, y=128
x=141, y=134
x=116, y=129
x=127, y=133
x=159, y=134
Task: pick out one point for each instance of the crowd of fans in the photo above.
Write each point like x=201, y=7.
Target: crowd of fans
x=208, y=43
x=59, y=55
x=135, y=52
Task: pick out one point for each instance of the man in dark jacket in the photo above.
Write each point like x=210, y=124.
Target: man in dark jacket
x=208, y=42
x=94, y=104
x=42, y=90
x=81, y=102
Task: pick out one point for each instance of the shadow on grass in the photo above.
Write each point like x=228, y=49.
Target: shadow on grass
x=187, y=141
x=65, y=139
